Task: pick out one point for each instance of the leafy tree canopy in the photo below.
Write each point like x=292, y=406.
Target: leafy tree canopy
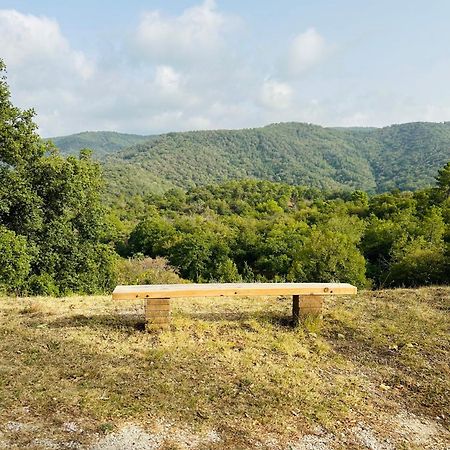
x=51, y=215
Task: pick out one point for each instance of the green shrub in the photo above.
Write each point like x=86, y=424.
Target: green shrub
x=141, y=270
x=43, y=284
x=418, y=263
x=14, y=261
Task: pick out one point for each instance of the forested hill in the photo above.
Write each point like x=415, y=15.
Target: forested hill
x=101, y=142
x=403, y=156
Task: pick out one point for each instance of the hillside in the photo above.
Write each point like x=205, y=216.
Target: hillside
x=230, y=373
x=403, y=156
x=101, y=142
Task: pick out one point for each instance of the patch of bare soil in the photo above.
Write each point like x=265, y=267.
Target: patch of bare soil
x=422, y=431
x=407, y=431
x=411, y=431
x=163, y=435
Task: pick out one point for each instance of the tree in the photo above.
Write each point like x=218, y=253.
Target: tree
x=330, y=254
x=443, y=181
x=417, y=263
x=53, y=204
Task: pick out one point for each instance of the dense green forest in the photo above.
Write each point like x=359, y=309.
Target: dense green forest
x=402, y=157
x=100, y=142
x=58, y=234
x=259, y=230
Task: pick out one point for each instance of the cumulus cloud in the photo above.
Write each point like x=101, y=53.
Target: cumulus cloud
x=167, y=79
x=190, y=71
x=167, y=91
x=307, y=50
x=34, y=42
x=197, y=33
x=276, y=95
x=45, y=72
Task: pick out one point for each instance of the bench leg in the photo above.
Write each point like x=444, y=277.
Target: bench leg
x=306, y=305
x=157, y=313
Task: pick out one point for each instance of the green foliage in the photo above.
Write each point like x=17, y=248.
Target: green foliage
x=402, y=157
x=151, y=236
x=120, y=178
x=101, y=142
x=55, y=237
x=417, y=263
x=141, y=270
x=331, y=253
x=443, y=181
x=259, y=230
x=52, y=206
x=43, y=284
x=14, y=260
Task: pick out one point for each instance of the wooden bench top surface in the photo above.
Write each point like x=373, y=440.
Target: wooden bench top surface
x=230, y=289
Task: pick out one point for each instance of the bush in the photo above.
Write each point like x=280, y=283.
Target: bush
x=418, y=263
x=331, y=254
x=14, y=261
x=43, y=284
x=141, y=270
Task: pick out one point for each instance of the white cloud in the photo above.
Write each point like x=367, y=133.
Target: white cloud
x=70, y=93
x=195, y=70
x=44, y=71
x=167, y=79
x=276, y=95
x=307, y=50
x=197, y=33
x=35, y=42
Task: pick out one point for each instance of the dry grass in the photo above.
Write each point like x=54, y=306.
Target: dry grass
x=232, y=365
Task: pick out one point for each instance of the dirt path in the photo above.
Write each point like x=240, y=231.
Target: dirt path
x=411, y=431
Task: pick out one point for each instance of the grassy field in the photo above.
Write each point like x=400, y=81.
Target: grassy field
x=231, y=373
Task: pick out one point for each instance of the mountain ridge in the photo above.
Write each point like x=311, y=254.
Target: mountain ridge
x=101, y=142
x=400, y=156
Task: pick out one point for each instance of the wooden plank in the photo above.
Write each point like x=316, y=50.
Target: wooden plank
x=150, y=306
x=311, y=305
x=151, y=313
x=230, y=289
x=157, y=309
x=157, y=301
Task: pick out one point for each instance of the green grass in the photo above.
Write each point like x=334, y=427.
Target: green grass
x=233, y=365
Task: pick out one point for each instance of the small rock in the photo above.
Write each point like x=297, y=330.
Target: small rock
x=14, y=426
x=47, y=443
x=71, y=427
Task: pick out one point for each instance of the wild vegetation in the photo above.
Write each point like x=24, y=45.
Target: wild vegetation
x=235, y=375
x=259, y=230
x=58, y=237
x=101, y=142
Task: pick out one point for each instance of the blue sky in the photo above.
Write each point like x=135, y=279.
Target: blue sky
x=156, y=66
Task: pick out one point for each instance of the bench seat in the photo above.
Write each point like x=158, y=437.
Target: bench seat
x=307, y=297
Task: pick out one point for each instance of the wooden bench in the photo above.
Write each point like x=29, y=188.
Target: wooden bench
x=307, y=297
